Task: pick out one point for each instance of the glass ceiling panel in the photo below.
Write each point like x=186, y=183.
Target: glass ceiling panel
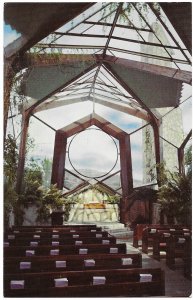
x=81, y=28
x=133, y=51
x=85, y=15
x=70, y=95
x=184, y=67
x=110, y=92
x=137, y=14
x=131, y=17
x=143, y=14
x=98, y=29
x=125, y=54
x=127, y=34
x=186, y=109
x=66, y=40
x=188, y=54
x=122, y=120
x=66, y=114
x=106, y=15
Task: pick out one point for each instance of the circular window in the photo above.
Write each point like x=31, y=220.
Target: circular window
x=93, y=153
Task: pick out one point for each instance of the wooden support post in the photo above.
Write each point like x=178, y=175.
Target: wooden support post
x=155, y=127
x=181, y=153
x=59, y=159
x=181, y=160
x=9, y=74
x=22, y=151
x=126, y=177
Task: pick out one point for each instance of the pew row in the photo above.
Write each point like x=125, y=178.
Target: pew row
x=138, y=231
x=53, y=229
x=55, y=235
x=14, y=251
x=179, y=247
x=66, y=241
x=163, y=239
x=71, y=262
x=98, y=283
x=56, y=227
x=149, y=234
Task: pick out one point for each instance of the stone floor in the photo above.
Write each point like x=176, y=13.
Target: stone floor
x=176, y=285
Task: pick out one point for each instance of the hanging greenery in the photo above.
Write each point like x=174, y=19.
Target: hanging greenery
x=126, y=12
x=10, y=159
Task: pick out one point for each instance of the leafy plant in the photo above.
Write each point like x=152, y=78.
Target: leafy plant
x=188, y=160
x=31, y=184
x=68, y=202
x=47, y=168
x=51, y=199
x=10, y=159
x=10, y=196
x=175, y=195
x=113, y=199
x=10, y=201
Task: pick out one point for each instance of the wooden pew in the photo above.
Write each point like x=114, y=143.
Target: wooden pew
x=53, y=229
x=62, y=241
x=150, y=231
x=176, y=248
x=161, y=237
x=137, y=234
x=138, y=231
x=73, y=262
x=80, y=284
x=14, y=251
x=187, y=258
x=58, y=227
x=55, y=235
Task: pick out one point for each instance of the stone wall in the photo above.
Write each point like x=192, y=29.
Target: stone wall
x=81, y=214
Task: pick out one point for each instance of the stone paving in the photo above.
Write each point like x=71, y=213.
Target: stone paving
x=176, y=285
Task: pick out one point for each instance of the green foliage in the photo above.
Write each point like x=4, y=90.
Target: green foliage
x=125, y=16
x=52, y=199
x=47, y=167
x=10, y=159
x=32, y=173
x=175, y=196
x=31, y=184
x=10, y=171
x=10, y=204
x=188, y=160
x=68, y=202
x=113, y=199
